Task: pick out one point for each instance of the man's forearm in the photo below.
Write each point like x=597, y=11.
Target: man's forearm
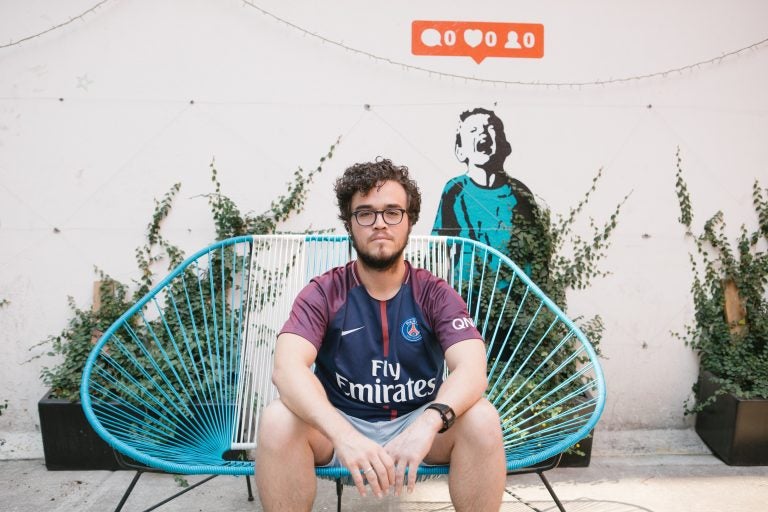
x=461, y=390
x=467, y=381
x=302, y=393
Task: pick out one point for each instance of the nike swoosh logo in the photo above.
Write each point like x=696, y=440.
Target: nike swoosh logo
x=344, y=333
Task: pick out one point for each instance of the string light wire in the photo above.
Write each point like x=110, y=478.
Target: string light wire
x=55, y=27
x=467, y=78
x=441, y=74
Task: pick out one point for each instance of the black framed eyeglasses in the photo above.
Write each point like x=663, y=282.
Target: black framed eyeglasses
x=391, y=216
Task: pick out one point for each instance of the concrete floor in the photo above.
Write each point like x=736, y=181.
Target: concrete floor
x=632, y=471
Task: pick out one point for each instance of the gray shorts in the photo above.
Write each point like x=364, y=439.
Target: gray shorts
x=381, y=432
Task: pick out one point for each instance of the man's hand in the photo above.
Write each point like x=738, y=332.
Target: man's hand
x=366, y=460
x=409, y=448
x=302, y=394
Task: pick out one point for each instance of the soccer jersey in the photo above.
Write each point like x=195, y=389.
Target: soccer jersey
x=378, y=359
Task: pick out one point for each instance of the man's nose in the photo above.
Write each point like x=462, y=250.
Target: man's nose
x=379, y=221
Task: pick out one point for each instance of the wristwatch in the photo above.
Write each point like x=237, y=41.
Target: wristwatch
x=446, y=414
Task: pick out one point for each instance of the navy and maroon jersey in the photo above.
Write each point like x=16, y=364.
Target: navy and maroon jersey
x=379, y=359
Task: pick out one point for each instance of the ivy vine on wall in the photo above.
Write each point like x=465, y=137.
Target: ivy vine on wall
x=559, y=259
x=74, y=343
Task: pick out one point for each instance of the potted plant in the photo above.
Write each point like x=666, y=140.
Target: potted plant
x=69, y=442
x=729, y=331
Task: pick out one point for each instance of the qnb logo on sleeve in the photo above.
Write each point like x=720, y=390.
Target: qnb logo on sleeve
x=462, y=323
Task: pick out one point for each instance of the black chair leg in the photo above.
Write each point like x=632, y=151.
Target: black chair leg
x=136, y=479
x=129, y=490
x=140, y=470
x=250, y=491
x=551, y=491
x=339, y=490
x=198, y=484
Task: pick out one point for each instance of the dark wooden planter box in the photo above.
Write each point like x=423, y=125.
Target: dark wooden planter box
x=736, y=430
x=69, y=442
x=573, y=460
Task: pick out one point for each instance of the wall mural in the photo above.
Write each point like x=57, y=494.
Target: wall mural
x=484, y=203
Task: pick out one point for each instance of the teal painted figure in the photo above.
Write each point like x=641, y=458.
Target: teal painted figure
x=484, y=203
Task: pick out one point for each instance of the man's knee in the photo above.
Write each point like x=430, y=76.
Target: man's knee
x=281, y=431
x=481, y=423
x=278, y=424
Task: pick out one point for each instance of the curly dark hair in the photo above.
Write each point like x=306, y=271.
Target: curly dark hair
x=363, y=177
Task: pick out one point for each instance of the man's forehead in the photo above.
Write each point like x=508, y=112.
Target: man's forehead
x=390, y=192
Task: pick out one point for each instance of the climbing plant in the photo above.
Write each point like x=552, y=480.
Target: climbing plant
x=74, y=342
x=729, y=330
x=559, y=259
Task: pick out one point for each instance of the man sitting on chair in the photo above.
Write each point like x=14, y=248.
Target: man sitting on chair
x=379, y=333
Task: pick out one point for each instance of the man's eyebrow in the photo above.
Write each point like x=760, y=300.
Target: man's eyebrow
x=370, y=206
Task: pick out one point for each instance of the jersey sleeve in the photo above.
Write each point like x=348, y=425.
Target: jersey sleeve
x=309, y=315
x=445, y=310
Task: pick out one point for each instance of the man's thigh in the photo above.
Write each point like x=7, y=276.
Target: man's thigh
x=278, y=420
x=321, y=447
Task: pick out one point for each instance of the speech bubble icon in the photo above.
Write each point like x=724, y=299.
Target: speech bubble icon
x=431, y=37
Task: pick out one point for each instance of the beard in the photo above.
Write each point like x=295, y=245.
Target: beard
x=375, y=261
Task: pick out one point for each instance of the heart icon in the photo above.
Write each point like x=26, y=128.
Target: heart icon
x=473, y=37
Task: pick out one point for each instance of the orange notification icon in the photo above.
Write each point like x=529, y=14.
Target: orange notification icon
x=477, y=39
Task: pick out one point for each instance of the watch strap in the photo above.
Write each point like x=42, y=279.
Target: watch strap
x=446, y=414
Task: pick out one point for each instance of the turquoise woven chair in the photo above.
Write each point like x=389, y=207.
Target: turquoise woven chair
x=177, y=384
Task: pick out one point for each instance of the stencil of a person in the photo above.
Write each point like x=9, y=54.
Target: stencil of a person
x=483, y=203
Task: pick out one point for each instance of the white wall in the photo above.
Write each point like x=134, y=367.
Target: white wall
x=78, y=175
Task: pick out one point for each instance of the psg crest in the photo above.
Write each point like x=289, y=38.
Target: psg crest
x=410, y=330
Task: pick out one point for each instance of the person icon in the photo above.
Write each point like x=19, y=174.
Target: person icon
x=484, y=203
x=512, y=40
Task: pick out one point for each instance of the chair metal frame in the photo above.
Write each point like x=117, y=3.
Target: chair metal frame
x=179, y=380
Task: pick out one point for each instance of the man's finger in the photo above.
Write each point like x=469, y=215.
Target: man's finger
x=391, y=471
x=382, y=475
x=413, y=469
x=399, y=477
x=371, y=475
x=358, y=480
